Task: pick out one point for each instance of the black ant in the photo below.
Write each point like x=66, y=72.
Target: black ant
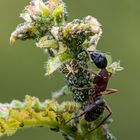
x=101, y=79
x=95, y=104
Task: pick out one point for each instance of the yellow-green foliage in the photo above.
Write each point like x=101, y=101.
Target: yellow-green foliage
x=34, y=113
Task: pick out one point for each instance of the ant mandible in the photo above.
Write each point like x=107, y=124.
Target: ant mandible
x=95, y=104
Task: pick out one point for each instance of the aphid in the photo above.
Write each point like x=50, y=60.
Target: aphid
x=56, y=129
x=95, y=105
x=69, y=69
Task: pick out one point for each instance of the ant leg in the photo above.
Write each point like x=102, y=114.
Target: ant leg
x=103, y=121
x=107, y=92
x=76, y=117
x=110, y=74
x=86, y=88
x=91, y=71
x=110, y=91
x=88, y=110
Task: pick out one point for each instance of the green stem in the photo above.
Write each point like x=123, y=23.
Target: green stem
x=33, y=113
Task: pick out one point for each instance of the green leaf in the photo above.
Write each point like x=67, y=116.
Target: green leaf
x=45, y=42
x=44, y=9
x=4, y=112
x=109, y=59
x=58, y=14
x=55, y=62
x=16, y=104
x=114, y=67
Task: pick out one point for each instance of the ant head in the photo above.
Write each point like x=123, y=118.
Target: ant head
x=99, y=60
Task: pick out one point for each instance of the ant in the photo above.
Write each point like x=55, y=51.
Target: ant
x=101, y=79
x=95, y=104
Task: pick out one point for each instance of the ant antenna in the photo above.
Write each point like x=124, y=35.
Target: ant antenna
x=100, y=51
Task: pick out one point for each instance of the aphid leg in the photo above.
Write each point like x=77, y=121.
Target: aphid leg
x=103, y=121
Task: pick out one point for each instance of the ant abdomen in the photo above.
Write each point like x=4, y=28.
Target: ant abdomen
x=94, y=114
x=96, y=111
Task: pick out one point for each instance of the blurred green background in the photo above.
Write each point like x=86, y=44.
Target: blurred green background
x=22, y=66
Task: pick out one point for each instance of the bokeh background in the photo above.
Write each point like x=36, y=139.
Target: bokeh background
x=22, y=66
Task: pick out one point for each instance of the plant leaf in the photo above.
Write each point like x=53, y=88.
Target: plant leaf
x=55, y=62
x=114, y=67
